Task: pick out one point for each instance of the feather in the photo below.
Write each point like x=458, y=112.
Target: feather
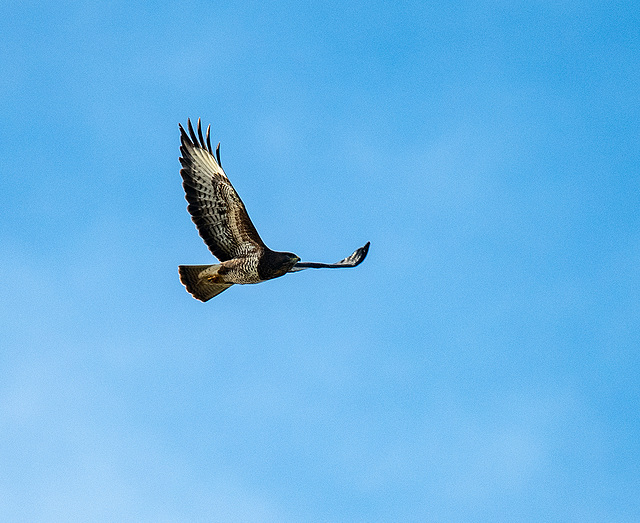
x=353, y=260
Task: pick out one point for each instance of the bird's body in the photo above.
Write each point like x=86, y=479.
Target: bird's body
x=224, y=224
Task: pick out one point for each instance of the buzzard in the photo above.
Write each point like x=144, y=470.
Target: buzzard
x=224, y=225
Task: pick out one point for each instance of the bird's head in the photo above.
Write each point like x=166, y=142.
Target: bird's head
x=287, y=261
x=291, y=259
x=274, y=264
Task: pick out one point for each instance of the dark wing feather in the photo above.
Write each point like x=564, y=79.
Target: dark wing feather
x=214, y=205
x=350, y=261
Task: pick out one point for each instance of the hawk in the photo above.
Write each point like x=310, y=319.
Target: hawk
x=223, y=223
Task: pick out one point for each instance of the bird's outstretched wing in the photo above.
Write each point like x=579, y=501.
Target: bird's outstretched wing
x=214, y=205
x=350, y=261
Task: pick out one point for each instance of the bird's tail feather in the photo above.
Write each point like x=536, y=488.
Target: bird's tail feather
x=199, y=282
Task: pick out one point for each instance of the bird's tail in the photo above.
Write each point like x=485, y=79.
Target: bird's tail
x=200, y=281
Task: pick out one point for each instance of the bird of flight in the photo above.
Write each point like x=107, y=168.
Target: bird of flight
x=223, y=223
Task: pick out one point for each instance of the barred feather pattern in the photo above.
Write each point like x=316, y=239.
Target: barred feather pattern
x=214, y=205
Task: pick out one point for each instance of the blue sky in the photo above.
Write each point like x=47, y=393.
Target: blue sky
x=481, y=365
